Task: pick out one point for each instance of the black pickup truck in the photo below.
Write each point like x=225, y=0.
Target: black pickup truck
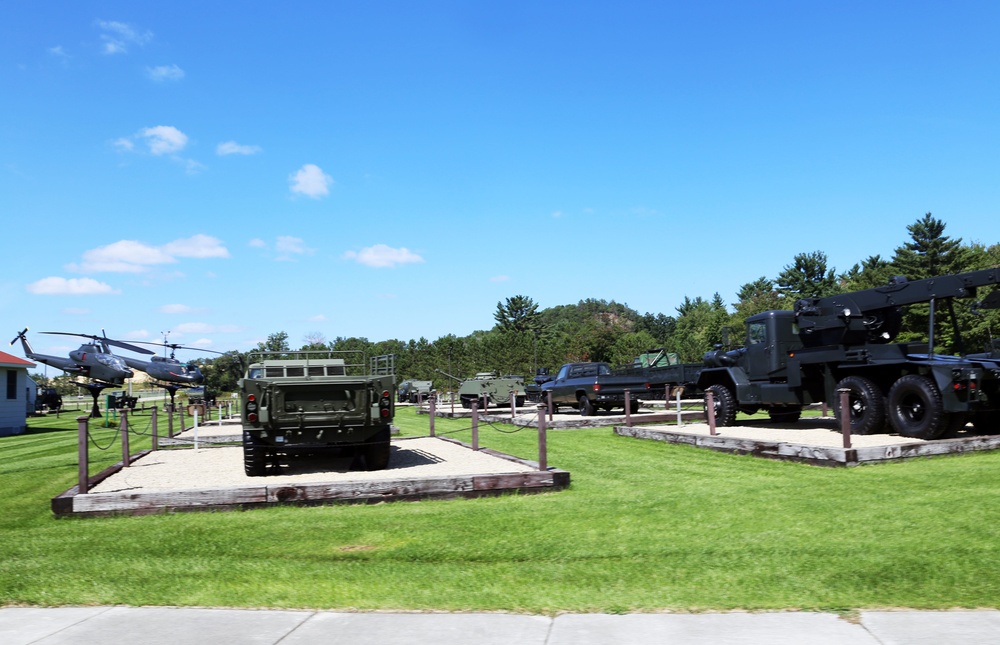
x=589, y=386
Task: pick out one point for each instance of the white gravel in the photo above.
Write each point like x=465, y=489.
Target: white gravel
x=820, y=432
x=222, y=467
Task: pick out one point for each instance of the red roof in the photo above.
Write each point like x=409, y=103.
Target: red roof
x=10, y=360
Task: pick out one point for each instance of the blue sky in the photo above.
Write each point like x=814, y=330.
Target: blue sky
x=394, y=169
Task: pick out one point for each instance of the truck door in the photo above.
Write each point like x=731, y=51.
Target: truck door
x=758, y=352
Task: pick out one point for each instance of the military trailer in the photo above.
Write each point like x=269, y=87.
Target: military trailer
x=487, y=388
x=414, y=391
x=314, y=402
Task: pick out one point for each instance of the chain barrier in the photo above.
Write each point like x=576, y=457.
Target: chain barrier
x=94, y=441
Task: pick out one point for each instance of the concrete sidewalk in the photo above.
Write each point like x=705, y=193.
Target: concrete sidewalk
x=180, y=626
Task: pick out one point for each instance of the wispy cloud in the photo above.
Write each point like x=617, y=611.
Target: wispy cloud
x=56, y=286
x=311, y=181
x=287, y=247
x=118, y=36
x=383, y=256
x=500, y=278
x=232, y=148
x=163, y=73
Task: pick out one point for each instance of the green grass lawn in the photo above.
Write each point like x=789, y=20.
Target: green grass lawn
x=644, y=526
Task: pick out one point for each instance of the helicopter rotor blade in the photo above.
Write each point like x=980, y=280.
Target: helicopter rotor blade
x=102, y=339
x=128, y=346
x=177, y=346
x=20, y=336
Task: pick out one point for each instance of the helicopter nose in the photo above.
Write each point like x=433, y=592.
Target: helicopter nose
x=129, y=373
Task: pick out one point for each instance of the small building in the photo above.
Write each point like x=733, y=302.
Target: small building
x=18, y=400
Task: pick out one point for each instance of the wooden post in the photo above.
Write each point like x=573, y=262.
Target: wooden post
x=153, y=424
x=170, y=420
x=475, y=425
x=513, y=405
x=628, y=408
x=433, y=410
x=543, y=458
x=126, y=462
x=845, y=415
x=710, y=411
x=549, y=397
x=82, y=453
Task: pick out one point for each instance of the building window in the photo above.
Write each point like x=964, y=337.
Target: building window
x=11, y=384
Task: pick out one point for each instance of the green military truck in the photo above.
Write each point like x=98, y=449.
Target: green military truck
x=414, y=391
x=310, y=402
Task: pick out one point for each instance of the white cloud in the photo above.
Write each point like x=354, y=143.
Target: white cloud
x=233, y=148
x=257, y=243
x=311, y=181
x=131, y=256
x=76, y=311
x=164, y=139
x=118, y=35
x=557, y=214
x=55, y=286
x=381, y=256
x=197, y=246
x=287, y=246
x=204, y=328
x=123, y=144
x=138, y=333
x=58, y=52
x=202, y=342
x=162, y=73
x=317, y=318
x=500, y=278
x=124, y=256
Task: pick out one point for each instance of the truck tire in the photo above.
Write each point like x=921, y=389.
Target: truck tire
x=377, y=450
x=915, y=408
x=254, y=456
x=725, y=405
x=865, y=403
x=633, y=406
x=586, y=407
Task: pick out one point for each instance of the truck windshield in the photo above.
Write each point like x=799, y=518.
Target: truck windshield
x=756, y=333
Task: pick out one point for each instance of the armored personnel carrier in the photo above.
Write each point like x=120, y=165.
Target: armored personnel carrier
x=310, y=401
x=487, y=388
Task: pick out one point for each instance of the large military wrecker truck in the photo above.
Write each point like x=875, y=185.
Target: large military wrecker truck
x=308, y=402
x=794, y=358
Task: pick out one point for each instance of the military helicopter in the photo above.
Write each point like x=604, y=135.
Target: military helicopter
x=169, y=370
x=92, y=360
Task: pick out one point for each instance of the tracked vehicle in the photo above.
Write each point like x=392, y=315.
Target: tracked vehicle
x=314, y=402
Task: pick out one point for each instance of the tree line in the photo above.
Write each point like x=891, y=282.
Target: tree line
x=525, y=337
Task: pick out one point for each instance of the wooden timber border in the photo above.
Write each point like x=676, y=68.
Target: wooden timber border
x=815, y=455
x=258, y=495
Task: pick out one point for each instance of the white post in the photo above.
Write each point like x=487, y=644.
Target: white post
x=680, y=421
